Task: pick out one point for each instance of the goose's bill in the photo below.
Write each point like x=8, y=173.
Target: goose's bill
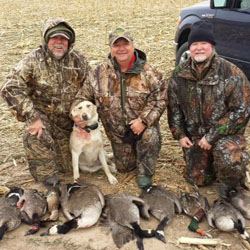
x=159, y=234
x=46, y=233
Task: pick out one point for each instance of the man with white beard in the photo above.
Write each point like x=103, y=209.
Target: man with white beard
x=208, y=110
x=39, y=91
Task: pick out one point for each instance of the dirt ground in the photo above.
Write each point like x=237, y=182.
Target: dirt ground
x=153, y=23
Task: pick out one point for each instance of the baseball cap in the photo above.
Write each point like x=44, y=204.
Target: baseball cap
x=119, y=33
x=60, y=33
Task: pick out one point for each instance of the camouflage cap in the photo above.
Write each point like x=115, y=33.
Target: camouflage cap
x=60, y=29
x=120, y=33
x=60, y=33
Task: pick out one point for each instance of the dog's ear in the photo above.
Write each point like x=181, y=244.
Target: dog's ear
x=71, y=111
x=93, y=110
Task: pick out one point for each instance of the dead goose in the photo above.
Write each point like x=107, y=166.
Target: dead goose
x=162, y=204
x=123, y=218
x=10, y=217
x=33, y=206
x=81, y=204
x=226, y=218
x=195, y=206
x=240, y=200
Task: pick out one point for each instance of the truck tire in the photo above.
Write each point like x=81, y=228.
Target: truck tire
x=182, y=54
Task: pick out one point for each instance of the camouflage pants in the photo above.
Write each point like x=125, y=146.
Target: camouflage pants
x=141, y=156
x=50, y=154
x=227, y=161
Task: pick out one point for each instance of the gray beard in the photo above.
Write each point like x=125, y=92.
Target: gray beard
x=57, y=56
x=199, y=62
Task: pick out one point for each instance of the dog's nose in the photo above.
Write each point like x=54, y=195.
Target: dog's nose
x=84, y=117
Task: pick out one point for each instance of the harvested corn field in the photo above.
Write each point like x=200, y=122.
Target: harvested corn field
x=153, y=23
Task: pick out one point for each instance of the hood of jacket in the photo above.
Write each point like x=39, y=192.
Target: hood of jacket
x=51, y=23
x=209, y=76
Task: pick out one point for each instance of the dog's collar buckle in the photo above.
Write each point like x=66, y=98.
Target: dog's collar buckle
x=91, y=127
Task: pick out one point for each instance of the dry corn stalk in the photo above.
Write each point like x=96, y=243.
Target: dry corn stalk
x=199, y=241
x=248, y=176
x=4, y=190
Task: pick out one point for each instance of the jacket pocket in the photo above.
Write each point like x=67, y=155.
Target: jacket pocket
x=137, y=100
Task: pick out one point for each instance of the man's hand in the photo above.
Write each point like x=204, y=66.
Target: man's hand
x=79, y=122
x=204, y=144
x=185, y=142
x=36, y=128
x=137, y=126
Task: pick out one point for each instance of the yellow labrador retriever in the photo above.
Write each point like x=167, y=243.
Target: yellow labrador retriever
x=86, y=143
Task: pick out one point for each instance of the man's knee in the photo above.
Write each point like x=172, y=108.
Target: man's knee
x=42, y=169
x=144, y=151
x=147, y=151
x=230, y=157
x=199, y=166
x=150, y=144
x=231, y=143
x=41, y=155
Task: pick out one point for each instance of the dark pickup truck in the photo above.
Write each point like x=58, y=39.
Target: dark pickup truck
x=231, y=24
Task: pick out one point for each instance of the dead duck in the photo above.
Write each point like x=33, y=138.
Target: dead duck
x=33, y=206
x=82, y=205
x=162, y=204
x=10, y=217
x=52, y=196
x=227, y=218
x=195, y=206
x=240, y=200
x=123, y=218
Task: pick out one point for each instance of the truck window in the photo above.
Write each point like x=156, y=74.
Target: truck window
x=245, y=4
x=241, y=4
x=236, y=4
x=220, y=3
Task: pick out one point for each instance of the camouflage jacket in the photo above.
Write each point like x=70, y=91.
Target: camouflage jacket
x=213, y=106
x=140, y=92
x=42, y=86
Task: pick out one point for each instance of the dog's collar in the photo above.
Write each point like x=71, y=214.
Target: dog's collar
x=88, y=128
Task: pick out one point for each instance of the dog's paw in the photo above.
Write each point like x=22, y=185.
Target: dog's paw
x=112, y=180
x=53, y=216
x=112, y=168
x=76, y=180
x=109, y=155
x=76, y=176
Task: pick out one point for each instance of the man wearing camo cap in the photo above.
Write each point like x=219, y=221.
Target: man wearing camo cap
x=130, y=96
x=40, y=90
